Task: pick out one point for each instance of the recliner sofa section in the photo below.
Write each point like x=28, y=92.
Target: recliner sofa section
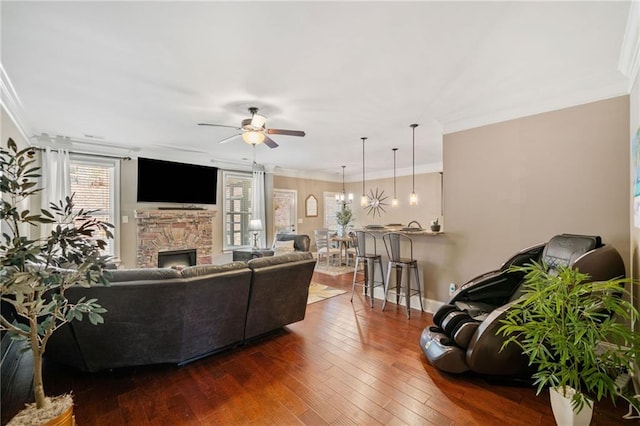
x=159, y=316
x=273, y=285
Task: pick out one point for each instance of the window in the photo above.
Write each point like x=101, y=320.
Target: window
x=95, y=181
x=330, y=210
x=237, y=188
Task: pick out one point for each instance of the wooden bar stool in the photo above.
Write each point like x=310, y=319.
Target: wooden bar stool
x=370, y=260
x=392, y=243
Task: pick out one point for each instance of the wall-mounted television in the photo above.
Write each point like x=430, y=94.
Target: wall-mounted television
x=169, y=182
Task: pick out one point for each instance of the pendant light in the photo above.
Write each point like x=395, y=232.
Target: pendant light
x=413, y=198
x=364, y=200
x=342, y=198
x=394, y=200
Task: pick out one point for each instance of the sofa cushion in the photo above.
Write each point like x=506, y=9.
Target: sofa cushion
x=262, y=262
x=301, y=242
x=283, y=247
x=142, y=274
x=200, y=270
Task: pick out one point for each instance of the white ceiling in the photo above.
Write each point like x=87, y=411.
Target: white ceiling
x=141, y=74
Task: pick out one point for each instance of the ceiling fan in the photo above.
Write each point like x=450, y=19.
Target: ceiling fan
x=254, y=132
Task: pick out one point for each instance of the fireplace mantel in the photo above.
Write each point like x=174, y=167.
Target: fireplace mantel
x=159, y=230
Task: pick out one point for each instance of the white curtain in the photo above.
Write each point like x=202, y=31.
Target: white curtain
x=258, y=201
x=56, y=180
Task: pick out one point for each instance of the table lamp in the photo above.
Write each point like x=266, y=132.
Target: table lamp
x=255, y=225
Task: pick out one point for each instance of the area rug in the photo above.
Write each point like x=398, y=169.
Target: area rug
x=333, y=270
x=318, y=292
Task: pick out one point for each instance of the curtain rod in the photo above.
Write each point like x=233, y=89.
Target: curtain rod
x=90, y=154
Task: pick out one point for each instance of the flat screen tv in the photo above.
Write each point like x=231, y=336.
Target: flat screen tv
x=169, y=182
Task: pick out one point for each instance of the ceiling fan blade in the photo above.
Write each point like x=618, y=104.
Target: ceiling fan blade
x=270, y=142
x=225, y=140
x=284, y=132
x=219, y=125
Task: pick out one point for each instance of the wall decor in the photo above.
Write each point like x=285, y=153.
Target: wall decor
x=376, y=203
x=311, y=206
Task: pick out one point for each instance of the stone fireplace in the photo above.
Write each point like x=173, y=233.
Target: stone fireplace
x=170, y=230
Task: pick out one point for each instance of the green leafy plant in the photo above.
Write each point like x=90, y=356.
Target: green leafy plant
x=573, y=331
x=435, y=222
x=344, y=216
x=36, y=272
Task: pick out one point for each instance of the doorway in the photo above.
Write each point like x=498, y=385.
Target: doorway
x=285, y=210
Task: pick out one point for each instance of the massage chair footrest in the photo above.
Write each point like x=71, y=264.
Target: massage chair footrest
x=442, y=352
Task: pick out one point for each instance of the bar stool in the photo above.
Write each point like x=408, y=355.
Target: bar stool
x=392, y=243
x=370, y=260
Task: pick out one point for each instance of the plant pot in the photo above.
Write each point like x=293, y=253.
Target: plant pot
x=435, y=228
x=564, y=413
x=64, y=419
x=62, y=404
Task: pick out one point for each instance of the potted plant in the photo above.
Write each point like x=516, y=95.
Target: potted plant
x=435, y=225
x=344, y=216
x=573, y=331
x=36, y=272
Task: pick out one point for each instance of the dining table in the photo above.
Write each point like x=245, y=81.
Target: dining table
x=343, y=245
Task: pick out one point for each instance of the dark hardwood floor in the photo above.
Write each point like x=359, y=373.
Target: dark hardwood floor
x=344, y=364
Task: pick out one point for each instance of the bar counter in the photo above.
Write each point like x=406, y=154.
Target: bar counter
x=431, y=254
x=399, y=228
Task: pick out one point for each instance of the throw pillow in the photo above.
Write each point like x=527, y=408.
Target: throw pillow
x=283, y=247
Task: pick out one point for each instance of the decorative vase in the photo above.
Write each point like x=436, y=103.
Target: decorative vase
x=435, y=228
x=564, y=413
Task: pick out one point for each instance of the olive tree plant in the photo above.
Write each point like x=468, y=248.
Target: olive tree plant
x=36, y=272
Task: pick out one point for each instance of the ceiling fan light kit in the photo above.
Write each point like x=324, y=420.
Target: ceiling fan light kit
x=253, y=138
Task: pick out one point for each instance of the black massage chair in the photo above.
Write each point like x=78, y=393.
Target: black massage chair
x=464, y=335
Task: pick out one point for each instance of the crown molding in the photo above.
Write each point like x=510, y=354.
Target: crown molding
x=629, y=60
x=306, y=174
x=520, y=111
x=406, y=171
x=12, y=105
x=381, y=174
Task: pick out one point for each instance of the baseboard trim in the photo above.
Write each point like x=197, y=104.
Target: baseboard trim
x=429, y=305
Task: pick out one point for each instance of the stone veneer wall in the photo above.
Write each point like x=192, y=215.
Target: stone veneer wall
x=160, y=230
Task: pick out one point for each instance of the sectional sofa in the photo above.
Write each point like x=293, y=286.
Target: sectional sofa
x=168, y=316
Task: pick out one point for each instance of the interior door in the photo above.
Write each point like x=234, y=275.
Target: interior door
x=285, y=202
